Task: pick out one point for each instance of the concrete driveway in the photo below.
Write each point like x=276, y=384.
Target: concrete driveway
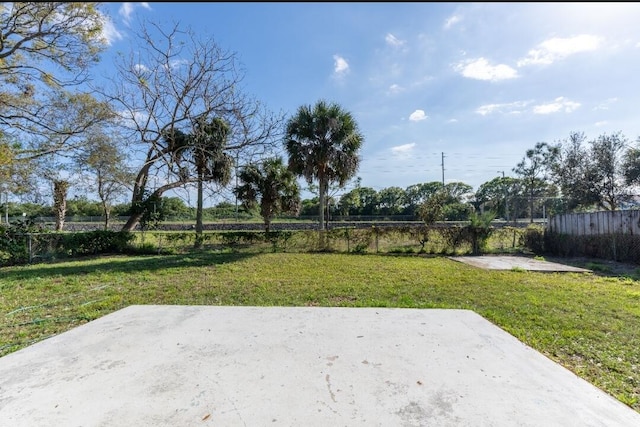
x=505, y=262
x=294, y=366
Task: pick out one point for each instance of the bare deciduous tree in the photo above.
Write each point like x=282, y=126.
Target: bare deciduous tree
x=169, y=83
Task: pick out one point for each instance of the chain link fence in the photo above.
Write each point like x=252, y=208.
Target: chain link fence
x=445, y=239
x=25, y=248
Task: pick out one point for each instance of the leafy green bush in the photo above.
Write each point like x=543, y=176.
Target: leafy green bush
x=95, y=242
x=235, y=238
x=533, y=239
x=14, y=242
x=453, y=237
x=278, y=238
x=339, y=239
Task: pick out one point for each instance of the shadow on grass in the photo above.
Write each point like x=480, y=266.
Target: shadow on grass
x=122, y=264
x=601, y=267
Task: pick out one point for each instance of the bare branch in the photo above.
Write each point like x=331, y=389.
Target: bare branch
x=171, y=82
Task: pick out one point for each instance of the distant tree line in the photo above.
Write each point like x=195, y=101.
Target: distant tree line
x=568, y=176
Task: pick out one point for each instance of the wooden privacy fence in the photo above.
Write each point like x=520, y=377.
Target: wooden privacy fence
x=608, y=235
x=596, y=223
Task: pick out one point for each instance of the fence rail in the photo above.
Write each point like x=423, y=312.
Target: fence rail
x=23, y=248
x=596, y=223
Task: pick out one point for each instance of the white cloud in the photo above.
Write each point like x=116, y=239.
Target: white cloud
x=403, y=149
x=141, y=68
x=606, y=104
x=505, y=108
x=602, y=123
x=483, y=110
x=133, y=119
x=557, y=48
x=395, y=88
x=126, y=10
x=451, y=21
x=417, y=116
x=452, y=121
x=140, y=116
x=480, y=69
x=421, y=82
x=177, y=63
x=109, y=32
x=340, y=65
x=560, y=104
x=394, y=41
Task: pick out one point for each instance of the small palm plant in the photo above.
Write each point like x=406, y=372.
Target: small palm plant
x=479, y=230
x=272, y=187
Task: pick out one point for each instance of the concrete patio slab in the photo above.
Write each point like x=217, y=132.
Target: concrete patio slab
x=294, y=366
x=500, y=262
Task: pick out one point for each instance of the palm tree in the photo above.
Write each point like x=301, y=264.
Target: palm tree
x=207, y=147
x=203, y=150
x=271, y=186
x=323, y=142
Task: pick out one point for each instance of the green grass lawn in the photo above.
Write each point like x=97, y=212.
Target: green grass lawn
x=587, y=322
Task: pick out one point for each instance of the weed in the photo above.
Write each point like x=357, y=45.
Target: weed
x=596, y=266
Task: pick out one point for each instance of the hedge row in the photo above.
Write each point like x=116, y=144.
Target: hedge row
x=24, y=242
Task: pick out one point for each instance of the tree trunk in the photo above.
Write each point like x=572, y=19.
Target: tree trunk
x=132, y=222
x=531, y=207
x=137, y=197
x=106, y=209
x=60, y=202
x=322, y=196
x=107, y=216
x=199, y=226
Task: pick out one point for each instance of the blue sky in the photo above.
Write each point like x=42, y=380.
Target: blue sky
x=479, y=82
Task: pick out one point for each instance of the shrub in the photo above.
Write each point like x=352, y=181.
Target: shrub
x=14, y=242
x=453, y=238
x=278, y=238
x=236, y=238
x=95, y=242
x=479, y=230
x=533, y=239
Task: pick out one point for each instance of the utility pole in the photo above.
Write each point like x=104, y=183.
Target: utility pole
x=442, y=169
